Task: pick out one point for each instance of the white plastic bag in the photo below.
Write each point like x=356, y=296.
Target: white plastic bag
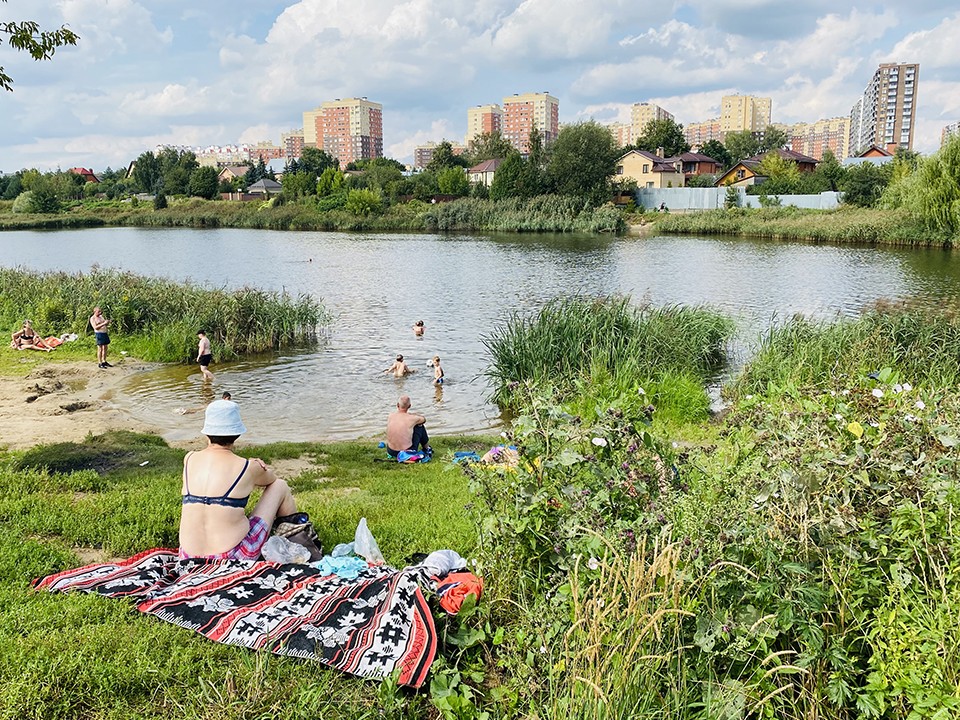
x=364, y=545
x=280, y=550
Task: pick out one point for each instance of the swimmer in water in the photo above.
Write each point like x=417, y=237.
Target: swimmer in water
x=418, y=328
x=399, y=368
x=437, y=370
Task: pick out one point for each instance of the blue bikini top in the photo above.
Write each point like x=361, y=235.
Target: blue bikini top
x=223, y=500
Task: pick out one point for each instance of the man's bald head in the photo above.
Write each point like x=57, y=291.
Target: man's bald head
x=404, y=402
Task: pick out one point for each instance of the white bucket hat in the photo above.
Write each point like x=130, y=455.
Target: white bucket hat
x=222, y=417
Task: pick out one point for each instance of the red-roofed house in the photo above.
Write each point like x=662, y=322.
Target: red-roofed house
x=692, y=163
x=746, y=172
x=86, y=174
x=484, y=172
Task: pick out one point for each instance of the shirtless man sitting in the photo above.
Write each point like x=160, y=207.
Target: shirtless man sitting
x=399, y=368
x=405, y=430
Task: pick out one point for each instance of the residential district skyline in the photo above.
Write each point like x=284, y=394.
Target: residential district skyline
x=179, y=72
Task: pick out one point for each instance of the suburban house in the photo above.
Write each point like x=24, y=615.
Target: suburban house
x=875, y=155
x=86, y=174
x=484, y=172
x=648, y=170
x=231, y=172
x=265, y=187
x=692, y=163
x=746, y=172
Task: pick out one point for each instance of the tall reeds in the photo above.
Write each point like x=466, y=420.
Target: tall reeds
x=161, y=316
x=576, y=339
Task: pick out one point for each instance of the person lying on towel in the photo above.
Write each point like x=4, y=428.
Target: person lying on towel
x=216, y=486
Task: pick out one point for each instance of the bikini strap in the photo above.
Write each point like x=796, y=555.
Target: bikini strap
x=230, y=490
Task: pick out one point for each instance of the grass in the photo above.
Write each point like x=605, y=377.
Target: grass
x=864, y=226
x=157, y=318
x=70, y=656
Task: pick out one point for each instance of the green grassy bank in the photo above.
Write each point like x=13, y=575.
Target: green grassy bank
x=540, y=214
x=846, y=224
x=795, y=557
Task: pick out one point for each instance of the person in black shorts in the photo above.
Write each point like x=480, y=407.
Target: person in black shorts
x=204, y=356
x=99, y=324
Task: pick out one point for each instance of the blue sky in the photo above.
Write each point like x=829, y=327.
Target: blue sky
x=202, y=72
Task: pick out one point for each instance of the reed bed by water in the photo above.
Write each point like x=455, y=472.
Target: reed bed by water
x=573, y=339
x=161, y=317
x=548, y=213
x=867, y=226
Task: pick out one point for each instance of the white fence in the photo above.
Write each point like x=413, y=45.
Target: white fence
x=715, y=197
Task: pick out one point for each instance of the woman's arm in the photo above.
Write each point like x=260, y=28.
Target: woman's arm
x=263, y=473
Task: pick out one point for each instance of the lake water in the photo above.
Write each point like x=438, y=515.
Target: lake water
x=378, y=285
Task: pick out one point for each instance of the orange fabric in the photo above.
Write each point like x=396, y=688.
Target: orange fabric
x=455, y=587
x=53, y=341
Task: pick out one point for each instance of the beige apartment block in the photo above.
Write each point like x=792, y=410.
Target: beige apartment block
x=292, y=143
x=423, y=154
x=744, y=112
x=349, y=129
x=884, y=115
x=643, y=113
x=523, y=113
x=623, y=133
x=696, y=134
x=813, y=139
x=483, y=119
x=948, y=132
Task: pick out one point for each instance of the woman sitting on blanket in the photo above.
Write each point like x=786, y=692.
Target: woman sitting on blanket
x=216, y=486
x=26, y=338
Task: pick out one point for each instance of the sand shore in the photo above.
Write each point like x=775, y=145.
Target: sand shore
x=64, y=402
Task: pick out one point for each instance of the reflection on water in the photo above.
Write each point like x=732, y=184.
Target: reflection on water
x=377, y=285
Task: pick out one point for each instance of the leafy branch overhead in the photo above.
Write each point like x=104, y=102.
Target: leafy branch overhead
x=27, y=36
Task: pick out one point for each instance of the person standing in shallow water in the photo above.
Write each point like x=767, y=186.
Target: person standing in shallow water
x=99, y=324
x=418, y=328
x=204, y=356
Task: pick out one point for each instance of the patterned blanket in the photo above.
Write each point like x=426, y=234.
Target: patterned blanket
x=368, y=626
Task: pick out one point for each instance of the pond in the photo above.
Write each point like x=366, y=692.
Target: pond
x=378, y=285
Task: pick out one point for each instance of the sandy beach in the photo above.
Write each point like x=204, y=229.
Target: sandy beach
x=64, y=401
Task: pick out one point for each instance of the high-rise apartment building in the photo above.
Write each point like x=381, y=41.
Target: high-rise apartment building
x=350, y=129
x=292, y=143
x=812, y=139
x=423, y=154
x=643, y=113
x=696, y=134
x=744, y=112
x=623, y=133
x=523, y=113
x=885, y=113
x=483, y=119
x=948, y=132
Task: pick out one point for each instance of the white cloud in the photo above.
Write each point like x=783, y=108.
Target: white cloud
x=172, y=101
x=439, y=130
x=934, y=49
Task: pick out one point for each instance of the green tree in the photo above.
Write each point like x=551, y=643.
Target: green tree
x=506, y=180
x=12, y=187
x=444, y=157
x=176, y=167
x=379, y=173
x=773, y=139
x=314, y=161
x=364, y=202
x=146, y=172
x=44, y=196
x=298, y=185
x=783, y=176
x=331, y=181
x=453, y=181
x=741, y=145
x=663, y=134
x=863, y=184
x=533, y=180
x=716, y=150
x=582, y=160
x=28, y=37
x=203, y=182
x=932, y=192
x=159, y=200
x=488, y=146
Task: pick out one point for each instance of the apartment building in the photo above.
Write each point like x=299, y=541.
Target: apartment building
x=696, y=134
x=523, y=113
x=744, y=112
x=483, y=119
x=643, y=113
x=948, y=132
x=884, y=115
x=623, y=133
x=348, y=130
x=812, y=139
x=423, y=154
x=292, y=143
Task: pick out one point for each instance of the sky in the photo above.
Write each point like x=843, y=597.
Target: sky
x=216, y=72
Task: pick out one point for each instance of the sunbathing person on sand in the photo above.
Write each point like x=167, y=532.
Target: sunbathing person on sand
x=216, y=487
x=26, y=338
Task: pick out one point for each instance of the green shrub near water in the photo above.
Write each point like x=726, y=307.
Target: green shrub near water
x=608, y=347
x=159, y=317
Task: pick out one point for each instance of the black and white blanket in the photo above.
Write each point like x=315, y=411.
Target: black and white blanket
x=368, y=626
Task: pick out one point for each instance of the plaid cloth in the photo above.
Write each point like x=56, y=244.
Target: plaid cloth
x=248, y=548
